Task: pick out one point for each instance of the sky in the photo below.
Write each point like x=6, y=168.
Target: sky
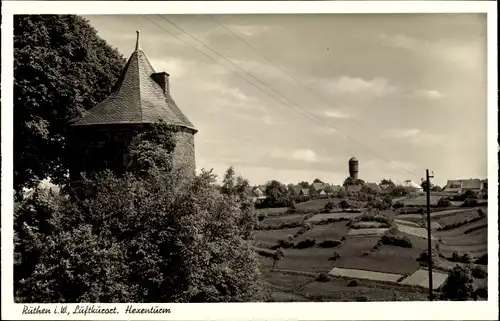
x=400, y=92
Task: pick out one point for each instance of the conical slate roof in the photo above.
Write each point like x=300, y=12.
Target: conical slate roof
x=136, y=99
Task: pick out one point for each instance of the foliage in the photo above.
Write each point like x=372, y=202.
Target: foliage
x=330, y=243
x=424, y=257
x=278, y=256
x=398, y=191
x=308, y=242
x=61, y=68
x=396, y=239
x=443, y=202
x=469, y=202
x=323, y=277
x=352, y=283
x=458, y=285
x=277, y=195
x=304, y=184
x=387, y=182
x=344, y=204
x=483, y=260
x=329, y=206
x=317, y=180
x=335, y=256
x=153, y=236
x=479, y=273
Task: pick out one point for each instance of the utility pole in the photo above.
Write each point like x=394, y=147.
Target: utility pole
x=429, y=241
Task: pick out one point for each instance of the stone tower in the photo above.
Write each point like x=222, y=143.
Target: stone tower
x=353, y=168
x=141, y=97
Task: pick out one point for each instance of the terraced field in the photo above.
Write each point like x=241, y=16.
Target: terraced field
x=269, y=238
x=332, y=231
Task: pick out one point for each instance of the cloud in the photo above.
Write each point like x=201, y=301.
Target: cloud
x=304, y=155
x=415, y=136
x=429, y=94
x=377, y=86
x=337, y=114
x=399, y=41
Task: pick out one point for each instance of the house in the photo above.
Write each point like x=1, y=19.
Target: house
x=304, y=192
x=374, y=187
x=296, y=189
x=258, y=192
x=320, y=188
x=459, y=186
x=412, y=188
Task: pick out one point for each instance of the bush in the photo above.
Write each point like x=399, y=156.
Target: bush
x=323, y=277
x=443, y=202
x=335, y=256
x=398, y=205
x=286, y=244
x=482, y=293
x=479, y=273
x=481, y=212
x=469, y=202
x=362, y=298
x=330, y=243
x=396, y=240
x=329, y=206
x=305, y=243
x=459, y=284
x=365, y=253
x=466, y=258
x=352, y=283
x=424, y=257
x=344, y=204
x=483, y=260
x=261, y=216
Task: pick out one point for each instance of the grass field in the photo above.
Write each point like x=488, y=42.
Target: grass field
x=300, y=288
x=474, y=243
x=415, y=231
x=460, y=216
x=363, y=274
x=421, y=278
x=420, y=200
x=332, y=231
x=325, y=216
x=275, y=220
x=367, y=232
x=269, y=238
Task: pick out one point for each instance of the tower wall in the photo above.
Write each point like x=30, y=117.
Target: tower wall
x=95, y=148
x=353, y=169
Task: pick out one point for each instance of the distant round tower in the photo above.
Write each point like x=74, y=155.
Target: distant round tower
x=353, y=168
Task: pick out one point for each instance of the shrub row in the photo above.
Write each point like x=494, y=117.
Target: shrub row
x=472, y=229
x=396, y=240
x=465, y=258
x=458, y=224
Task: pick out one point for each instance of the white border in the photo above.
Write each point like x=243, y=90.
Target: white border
x=265, y=311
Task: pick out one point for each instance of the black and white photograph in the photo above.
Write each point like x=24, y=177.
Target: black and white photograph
x=208, y=158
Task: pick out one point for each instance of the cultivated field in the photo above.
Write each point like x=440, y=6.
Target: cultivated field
x=421, y=278
x=363, y=274
x=354, y=251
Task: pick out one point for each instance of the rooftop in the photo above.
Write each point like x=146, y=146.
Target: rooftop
x=137, y=98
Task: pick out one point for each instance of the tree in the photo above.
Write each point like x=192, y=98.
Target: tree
x=349, y=181
x=61, y=68
x=387, y=182
x=228, y=181
x=317, y=180
x=277, y=256
x=459, y=284
x=344, y=204
x=424, y=185
x=398, y=191
x=304, y=184
x=277, y=195
x=152, y=235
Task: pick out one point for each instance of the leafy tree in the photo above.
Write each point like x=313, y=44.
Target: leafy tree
x=459, y=284
x=317, y=180
x=398, y=191
x=152, y=235
x=387, y=182
x=277, y=195
x=278, y=256
x=61, y=68
x=304, y=184
x=344, y=204
x=228, y=181
x=349, y=181
x=424, y=185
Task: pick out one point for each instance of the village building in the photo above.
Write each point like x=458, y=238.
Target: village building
x=459, y=186
x=141, y=97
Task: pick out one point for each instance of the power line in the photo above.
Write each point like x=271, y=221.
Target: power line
x=312, y=116
x=296, y=79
